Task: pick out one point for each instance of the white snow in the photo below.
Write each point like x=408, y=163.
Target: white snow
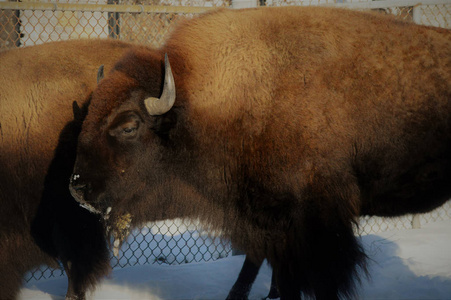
x=405, y=264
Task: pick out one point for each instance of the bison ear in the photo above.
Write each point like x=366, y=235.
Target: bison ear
x=78, y=112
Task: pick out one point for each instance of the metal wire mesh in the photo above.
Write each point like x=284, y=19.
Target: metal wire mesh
x=171, y=242
x=150, y=22
x=37, y=22
x=369, y=225
x=431, y=13
x=33, y=24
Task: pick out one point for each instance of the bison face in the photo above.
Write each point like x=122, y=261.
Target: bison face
x=120, y=142
x=105, y=164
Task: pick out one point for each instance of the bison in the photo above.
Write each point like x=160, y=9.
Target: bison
x=279, y=127
x=40, y=222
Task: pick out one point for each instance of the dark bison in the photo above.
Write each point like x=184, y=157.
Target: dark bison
x=279, y=127
x=40, y=223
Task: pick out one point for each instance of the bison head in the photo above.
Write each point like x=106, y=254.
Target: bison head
x=123, y=134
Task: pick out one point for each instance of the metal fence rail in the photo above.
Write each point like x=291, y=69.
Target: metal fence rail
x=149, y=22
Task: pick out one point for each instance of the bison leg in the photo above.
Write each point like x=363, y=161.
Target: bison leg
x=75, y=291
x=273, y=291
x=246, y=278
x=326, y=294
x=83, y=251
x=287, y=286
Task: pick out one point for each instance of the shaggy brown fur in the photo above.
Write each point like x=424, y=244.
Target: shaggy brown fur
x=289, y=123
x=40, y=222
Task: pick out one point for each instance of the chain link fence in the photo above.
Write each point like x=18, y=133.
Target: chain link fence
x=28, y=23
x=32, y=22
x=432, y=13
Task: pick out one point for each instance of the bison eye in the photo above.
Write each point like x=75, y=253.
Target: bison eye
x=128, y=130
x=125, y=126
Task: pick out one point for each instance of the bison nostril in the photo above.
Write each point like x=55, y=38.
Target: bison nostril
x=75, y=183
x=77, y=189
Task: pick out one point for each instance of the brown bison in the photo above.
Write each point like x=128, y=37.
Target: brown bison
x=279, y=127
x=40, y=223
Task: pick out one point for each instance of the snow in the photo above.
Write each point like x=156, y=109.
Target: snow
x=404, y=264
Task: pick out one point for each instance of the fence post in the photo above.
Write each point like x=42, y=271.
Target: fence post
x=244, y=3
x=416, y=14
x=17, y=29
x=113, y=21
x=416, y=222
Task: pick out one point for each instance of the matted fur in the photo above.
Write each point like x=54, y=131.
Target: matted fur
x=40, y=222
x=289, y=123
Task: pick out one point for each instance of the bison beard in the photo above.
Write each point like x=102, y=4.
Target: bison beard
x=65, y=230
x=288, y=124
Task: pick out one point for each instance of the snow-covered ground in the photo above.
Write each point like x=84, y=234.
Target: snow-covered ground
x=405, y=264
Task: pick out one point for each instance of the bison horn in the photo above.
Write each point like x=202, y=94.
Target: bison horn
x=159, y=106
x=99, y=74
